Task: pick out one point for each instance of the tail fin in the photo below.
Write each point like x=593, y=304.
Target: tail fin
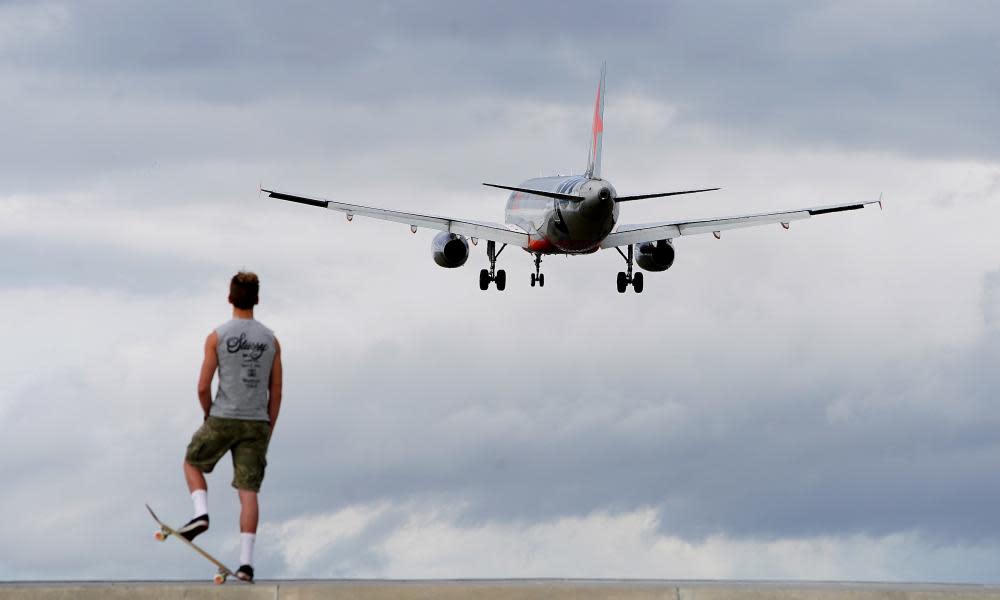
x=597, y=130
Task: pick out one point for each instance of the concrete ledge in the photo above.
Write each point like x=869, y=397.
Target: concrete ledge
x=498, y=590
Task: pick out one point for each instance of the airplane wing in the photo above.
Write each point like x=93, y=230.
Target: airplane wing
x=472, y=229
x=650, y=232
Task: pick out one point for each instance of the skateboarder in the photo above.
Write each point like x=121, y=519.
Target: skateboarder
x=241, y=418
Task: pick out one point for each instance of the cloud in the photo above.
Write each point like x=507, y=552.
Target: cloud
x=89, y=96
x=429, y=544
x=714, y=414
x=809, y=403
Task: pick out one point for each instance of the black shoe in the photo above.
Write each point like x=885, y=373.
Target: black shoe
x=245, y=573
x=194, y=528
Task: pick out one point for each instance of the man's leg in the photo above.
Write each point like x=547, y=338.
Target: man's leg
x=249, y=511
x=195, y=478
x=199, y=497
x=249, y=514
x=207, y=446
x=199, y=493
x=249, y=464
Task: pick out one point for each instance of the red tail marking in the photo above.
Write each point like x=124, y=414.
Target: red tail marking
x=598, y=121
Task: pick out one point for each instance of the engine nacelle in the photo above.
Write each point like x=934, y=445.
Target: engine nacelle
x=450, y=250
x=655, y=256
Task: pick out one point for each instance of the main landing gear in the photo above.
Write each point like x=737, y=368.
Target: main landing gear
x=500, y=277
x=537, y=277
x=626, y=278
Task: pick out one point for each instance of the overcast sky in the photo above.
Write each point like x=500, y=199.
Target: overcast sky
x=818, y=403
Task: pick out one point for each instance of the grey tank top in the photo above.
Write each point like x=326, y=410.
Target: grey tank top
x=246, y=355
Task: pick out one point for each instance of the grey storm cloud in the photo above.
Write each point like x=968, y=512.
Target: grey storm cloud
x=112, y=85
x=855, y=449
x=755, y=397
x=40, y=263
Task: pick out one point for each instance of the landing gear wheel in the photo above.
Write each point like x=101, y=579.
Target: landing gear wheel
x=537, y=276
x=626, y=278
x=491, y=274
x=219, y=578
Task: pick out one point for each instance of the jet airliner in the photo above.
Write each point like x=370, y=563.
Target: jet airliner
x=568, y=215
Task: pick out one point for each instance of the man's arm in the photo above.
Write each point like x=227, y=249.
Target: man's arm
x=274, y=389
x=208, y=367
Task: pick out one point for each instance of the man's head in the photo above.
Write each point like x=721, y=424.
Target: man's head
x=244, y=288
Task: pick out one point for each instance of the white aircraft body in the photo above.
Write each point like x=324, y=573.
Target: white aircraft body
x=568, y=215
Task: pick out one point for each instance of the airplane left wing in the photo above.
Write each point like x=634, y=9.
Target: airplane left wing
x=473, y=229
x=651, y=232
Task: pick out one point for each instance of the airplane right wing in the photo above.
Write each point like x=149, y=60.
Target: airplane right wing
x=651, y=232
x=472, y=229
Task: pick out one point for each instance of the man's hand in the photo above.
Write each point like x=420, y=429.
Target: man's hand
x=208, y=367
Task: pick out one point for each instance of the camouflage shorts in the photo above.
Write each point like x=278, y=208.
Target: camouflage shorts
x=247, y=440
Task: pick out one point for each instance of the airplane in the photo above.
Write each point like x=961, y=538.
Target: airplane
x=568, y=215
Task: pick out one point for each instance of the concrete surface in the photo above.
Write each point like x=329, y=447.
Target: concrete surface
x=497, y=590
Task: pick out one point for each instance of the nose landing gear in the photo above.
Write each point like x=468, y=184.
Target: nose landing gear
x=498, y=277
x=537, y=277
x=626, y=278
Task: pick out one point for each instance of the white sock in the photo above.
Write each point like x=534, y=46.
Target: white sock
x=246, y=548
x=200, y=498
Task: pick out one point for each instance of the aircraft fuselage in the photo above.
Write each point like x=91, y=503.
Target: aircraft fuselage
x=563, y=226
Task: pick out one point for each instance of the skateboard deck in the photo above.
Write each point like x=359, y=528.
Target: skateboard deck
x=167, y=531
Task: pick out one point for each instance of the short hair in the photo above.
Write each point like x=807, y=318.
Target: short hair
x=244, y=290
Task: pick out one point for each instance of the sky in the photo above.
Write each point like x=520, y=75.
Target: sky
x=817, y=403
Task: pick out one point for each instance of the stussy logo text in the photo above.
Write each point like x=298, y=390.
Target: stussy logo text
x=237, y=344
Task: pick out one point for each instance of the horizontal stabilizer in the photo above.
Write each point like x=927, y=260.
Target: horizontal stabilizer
x=645, y=196
x=555, y=195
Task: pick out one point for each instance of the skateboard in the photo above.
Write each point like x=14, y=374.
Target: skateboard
x=167, y=531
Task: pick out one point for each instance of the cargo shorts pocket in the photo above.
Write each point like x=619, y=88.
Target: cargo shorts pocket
x=206, y=447
x=250, y=458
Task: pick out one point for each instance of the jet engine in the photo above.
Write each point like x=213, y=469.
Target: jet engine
x=450, y=250
x=655, y=256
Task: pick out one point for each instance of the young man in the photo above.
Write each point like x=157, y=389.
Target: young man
x=241, y=418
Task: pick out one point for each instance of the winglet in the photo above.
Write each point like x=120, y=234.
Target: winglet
x=880, y=200
x=597, y=130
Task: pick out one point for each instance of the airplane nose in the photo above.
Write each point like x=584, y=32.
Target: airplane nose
x=605, y=194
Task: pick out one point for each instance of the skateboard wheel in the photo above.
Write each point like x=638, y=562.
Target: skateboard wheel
x=219, y=579
x=160, y=536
